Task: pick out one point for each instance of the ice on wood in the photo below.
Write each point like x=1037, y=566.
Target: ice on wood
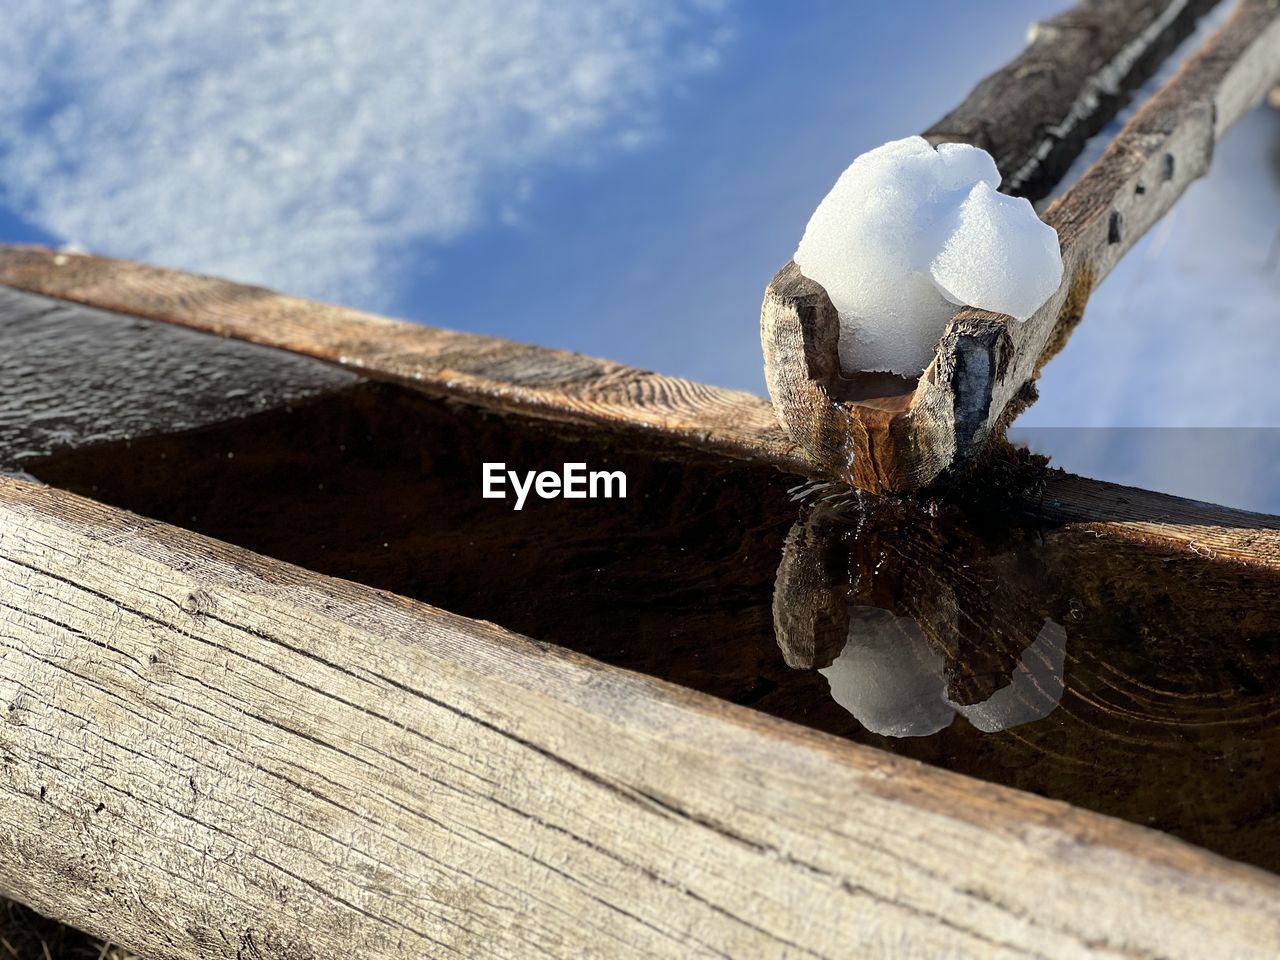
x=910, y=233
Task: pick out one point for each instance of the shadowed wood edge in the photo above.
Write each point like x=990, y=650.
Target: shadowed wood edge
x=986, y=364
x=556, y=385
x=359, y=774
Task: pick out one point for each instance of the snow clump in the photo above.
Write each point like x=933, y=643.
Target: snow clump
x=908, y=235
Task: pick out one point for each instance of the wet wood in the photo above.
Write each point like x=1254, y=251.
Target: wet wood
x=704, y=577
x=984, y=371
x=304, y=767
x=1035, y=114
x=495, y=373
x=79, y=377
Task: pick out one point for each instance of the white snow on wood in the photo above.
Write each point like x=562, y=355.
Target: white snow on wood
x=910, y=233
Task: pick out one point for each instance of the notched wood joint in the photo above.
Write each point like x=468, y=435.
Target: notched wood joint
x=859, y=428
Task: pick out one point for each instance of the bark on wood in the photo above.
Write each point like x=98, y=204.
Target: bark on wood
x=1035, y=114
x=559, y=386
x=986, y=363
x=303, y=767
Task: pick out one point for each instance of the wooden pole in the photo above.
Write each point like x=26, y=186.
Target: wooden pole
x=208, y=754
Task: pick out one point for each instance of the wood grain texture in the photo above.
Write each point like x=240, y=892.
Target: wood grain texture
x=497, y=374
x=986, y=364
x=1079, y=67
x=303, y=767
x=706, y=577
x=1139, y=516
x=985, y=361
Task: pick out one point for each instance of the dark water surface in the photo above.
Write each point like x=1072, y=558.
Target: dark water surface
x=1123, y=681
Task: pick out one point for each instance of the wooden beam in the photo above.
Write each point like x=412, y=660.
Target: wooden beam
x=301, y=767
x=495, y=373
x=377, y=483
x=895, y=435
x=1156, y=519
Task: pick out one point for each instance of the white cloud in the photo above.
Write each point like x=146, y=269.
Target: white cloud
x=302, y=144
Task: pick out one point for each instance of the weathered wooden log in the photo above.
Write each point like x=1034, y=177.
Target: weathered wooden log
x=888, y=435
x=210, y=754
x=1035, y=114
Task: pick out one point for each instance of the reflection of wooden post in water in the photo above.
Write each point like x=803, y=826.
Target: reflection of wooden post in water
x=979, y=603
x=813, y=591
x=1155, y=676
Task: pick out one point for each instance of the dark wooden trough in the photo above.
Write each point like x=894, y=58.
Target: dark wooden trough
x=276, y=681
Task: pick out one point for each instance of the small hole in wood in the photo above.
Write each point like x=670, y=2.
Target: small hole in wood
x=1168, y=167
x=1140, y=189
x=1113, y=228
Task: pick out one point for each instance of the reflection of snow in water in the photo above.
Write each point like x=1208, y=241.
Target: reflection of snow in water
x=891, y=679
x=1034, y=691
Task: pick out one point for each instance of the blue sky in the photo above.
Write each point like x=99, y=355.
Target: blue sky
x=619, y=177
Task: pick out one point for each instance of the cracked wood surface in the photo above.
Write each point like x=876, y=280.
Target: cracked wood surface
x=210, y=754
x=905, y=436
